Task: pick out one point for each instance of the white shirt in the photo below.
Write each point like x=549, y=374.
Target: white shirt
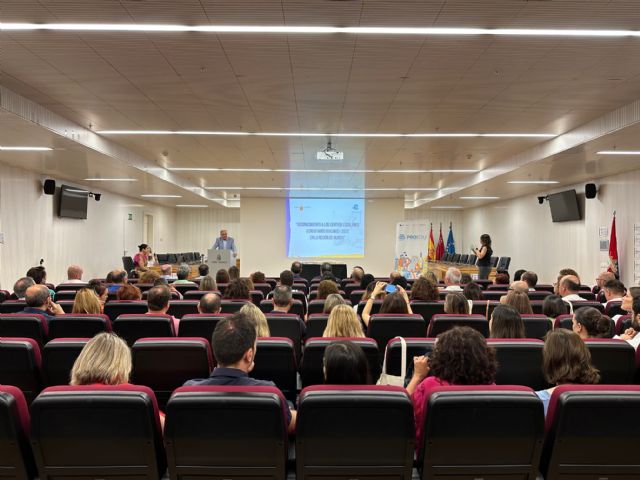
x=452, y=288
x=573, y=297
x=74, y=281
x=634, y=342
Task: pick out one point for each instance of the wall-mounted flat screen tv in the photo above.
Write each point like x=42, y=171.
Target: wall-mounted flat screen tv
x=73, y=202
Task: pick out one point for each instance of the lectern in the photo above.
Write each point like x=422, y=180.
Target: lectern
x=218, y=259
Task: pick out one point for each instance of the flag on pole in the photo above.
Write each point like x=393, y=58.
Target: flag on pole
x=432, y=246
x=440, y=246
x=451, y=244
x=613, y=250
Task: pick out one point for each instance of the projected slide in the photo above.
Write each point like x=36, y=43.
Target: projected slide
x=325, y=227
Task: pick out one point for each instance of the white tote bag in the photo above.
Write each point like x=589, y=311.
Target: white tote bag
x=395, y=380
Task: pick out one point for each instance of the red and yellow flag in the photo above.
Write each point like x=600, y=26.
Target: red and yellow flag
x=432, y=246
x=613, y=250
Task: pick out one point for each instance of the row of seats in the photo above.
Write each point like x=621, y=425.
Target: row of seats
x=342, y=432
x=165, y=363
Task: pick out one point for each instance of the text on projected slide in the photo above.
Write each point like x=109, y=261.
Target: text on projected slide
x=325, y=227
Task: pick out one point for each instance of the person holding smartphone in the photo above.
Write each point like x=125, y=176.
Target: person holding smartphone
x=396, y=300
x=484, y=257
x=38, y=300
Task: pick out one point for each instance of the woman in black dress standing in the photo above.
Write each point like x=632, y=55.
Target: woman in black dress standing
x=484, y=257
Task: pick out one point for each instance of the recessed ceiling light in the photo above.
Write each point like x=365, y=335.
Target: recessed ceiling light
x=443, y=207
x=161, y=196
x=479, y=198
x=619, y=152
x=303, y=29
x=326, y=134
x=303, y=170
x=111, y=179
x=25, y=149
x=192, y=206
x=332, y=189
x=533, y=182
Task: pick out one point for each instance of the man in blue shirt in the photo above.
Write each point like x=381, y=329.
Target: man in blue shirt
x=38, y=299
x=234, y=346
x=119, y=278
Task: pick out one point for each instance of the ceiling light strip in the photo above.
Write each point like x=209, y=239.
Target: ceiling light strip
x=111, y=179
x=619, y=152
x=303, y=29
x=160, y=196
x=533, y=182
x=333, y=189
x=303, y=170
x=24, y=149
x=479, y=198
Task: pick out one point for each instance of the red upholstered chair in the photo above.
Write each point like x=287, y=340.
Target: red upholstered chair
x=185, y=287
x=622, y=323
x=78, y=325
x=276, y=362
x=21, y=365
x=311, y=372
x=538, y=295
x=494, y=295
x=265, y=288
x=24, y=325
x=233, y=306
x=536, y=326
x=316, y=324
x=199, y=325
x=256, y=297
x=12, y=306
x=114, y=308
x=287, y=325
x=180, y=308
x=58, y=357
x=197, y=294
x=97, y=431
x=488, y=431
x=227, y=432
x=519, y=362
x=350, y=431
x=134, y=327
x=164, y=364
x=16, y=457
x=67, y=287
x=66, y=295
x=589, y=430
x=442, y=323
x=587, y=303
x=375, y=307
x=296, y=307
x=385, y=326
x=615, y=358
x=67, y=305
x=415, y=347
x=427, y=309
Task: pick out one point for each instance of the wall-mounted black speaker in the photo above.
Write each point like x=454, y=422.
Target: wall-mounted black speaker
x=590, y=190
x=49, y=187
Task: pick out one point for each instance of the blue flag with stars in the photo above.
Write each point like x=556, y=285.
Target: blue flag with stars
x=451, y=244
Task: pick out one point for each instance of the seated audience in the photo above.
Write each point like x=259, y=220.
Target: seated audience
x=100, y=289
x=588, y=322
x=326, y=272
x=234, y=273
x=424, y=290
x=461, y=356
x=222, y=276
x=259, y=277
x=343, y=322
x=473, y=291
x=38, y=300
x=326, y=288
x=237, y=290
x=208, y=284
x=234, y=347
x=149, y=276
x=203, y=271
x=296, y=269
x=248, y=283
x=456, y=304
x=430, y=275
x=20, y=287
x=167, y=273
x=501, y=279
x=614, y=291
x=465, y=279
x=368, y=294
x=39, y=275
x=565, y=359
x=397, y=302
x=282, y=301
x=158, y=302
x=553, y=305
x=367, y=279
x=627, y=300
x=517, y=276
x=563, y=273
x=162, y=282
x=400, y=281
x=256, y=316
x=631, y=334
x=506, y=322
x=356, y=274
x=74, y=274
x=345, y=363
x=210, y=303
x=532, y=280
x=87, y=301
x=118, y=278
x=129, y=292
x=452, y=280
x=568, y=289
x=519, y=300
x=183, y=273
x=520, y=286
x=331, y=301
x=600, y=280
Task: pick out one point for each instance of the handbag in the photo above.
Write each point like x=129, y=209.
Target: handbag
x=395, y=380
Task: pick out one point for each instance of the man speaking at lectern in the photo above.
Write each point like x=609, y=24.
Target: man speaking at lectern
x=225, y=242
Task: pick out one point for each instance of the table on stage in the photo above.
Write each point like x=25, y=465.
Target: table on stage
x=440, y=268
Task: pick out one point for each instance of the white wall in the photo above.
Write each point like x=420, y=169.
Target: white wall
x=437, y=217
x=32, y=230
x=262, y=239
x=198, y=228
x=522, y=229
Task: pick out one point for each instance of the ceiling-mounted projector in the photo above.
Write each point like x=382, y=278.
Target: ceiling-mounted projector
x=330, y=154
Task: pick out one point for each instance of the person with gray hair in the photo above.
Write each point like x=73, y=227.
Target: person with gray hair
x=210, y=303
x=282, y=301
x=183, y=274
x=20, y=287
x=452, y=280
x=74, y=274
x=38, y=299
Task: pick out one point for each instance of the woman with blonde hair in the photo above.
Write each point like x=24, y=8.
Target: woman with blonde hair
x=149, y=277
x=343, y=322
x=258, y=318
x=87, y=302
x=105, y=360
x=208, y=284
x=519, y=300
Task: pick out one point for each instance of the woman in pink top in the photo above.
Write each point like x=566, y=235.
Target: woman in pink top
x=460, y=356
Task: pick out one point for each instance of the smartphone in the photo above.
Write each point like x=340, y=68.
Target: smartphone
x=390, y=288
